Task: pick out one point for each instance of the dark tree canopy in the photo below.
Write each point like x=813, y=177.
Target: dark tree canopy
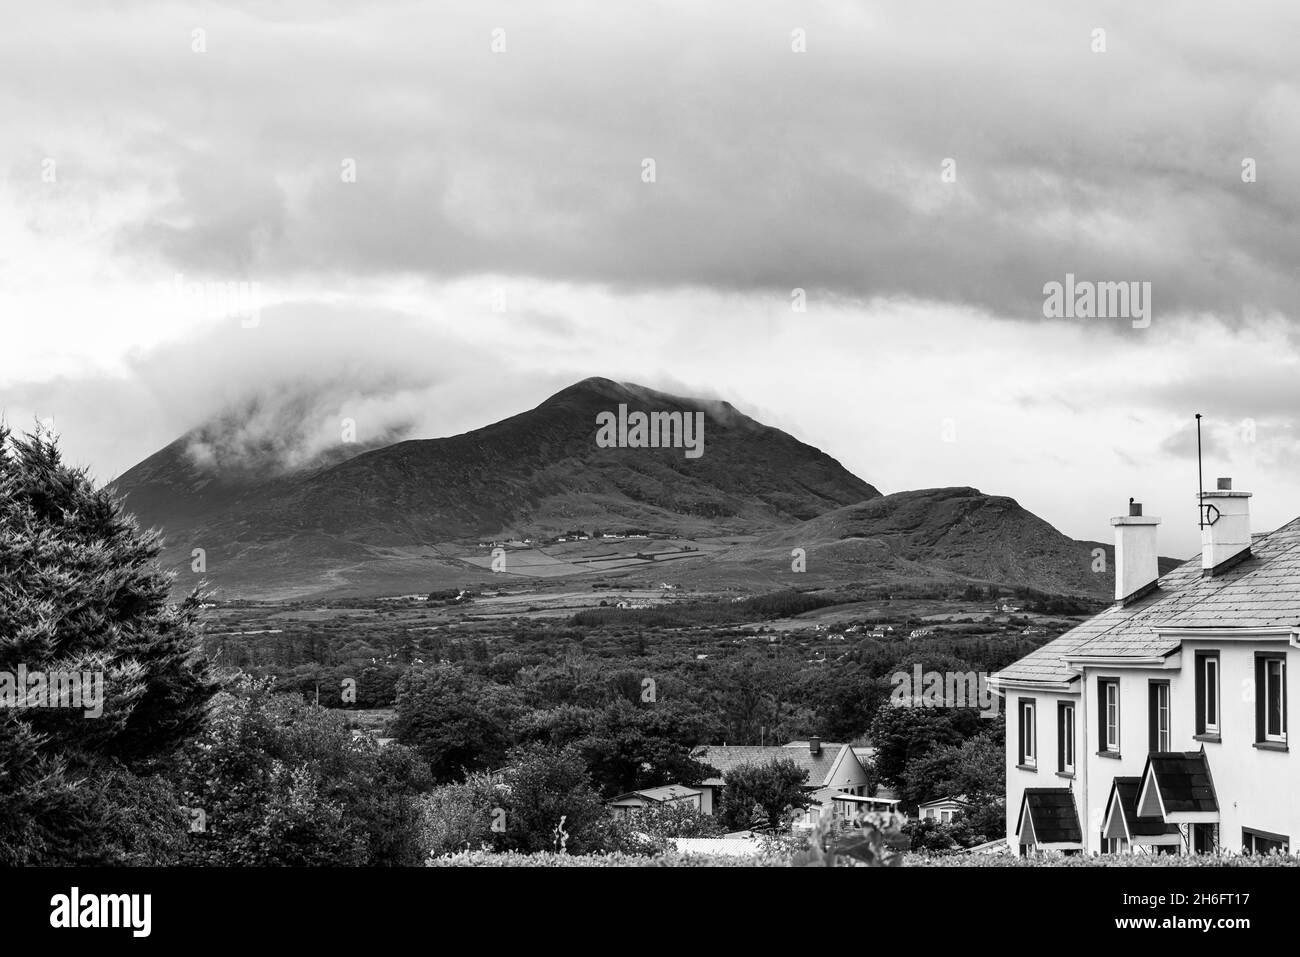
x=81, y=592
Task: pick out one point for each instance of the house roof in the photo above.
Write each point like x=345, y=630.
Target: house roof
x=1183, y=780
x=668, y=792
x=1052, y=816
x=959, y=799
x=1263, y=591
x=1125, y=790
x=728, y=757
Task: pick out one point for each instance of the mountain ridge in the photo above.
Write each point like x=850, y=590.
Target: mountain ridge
x=538, y=472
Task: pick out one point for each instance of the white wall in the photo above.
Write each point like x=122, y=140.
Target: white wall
x=1134, y=738
x=1256, y=788
x=1046, y=775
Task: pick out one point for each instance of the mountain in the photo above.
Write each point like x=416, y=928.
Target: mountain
x=938, y=535
x=410, y=516
x=344, y=515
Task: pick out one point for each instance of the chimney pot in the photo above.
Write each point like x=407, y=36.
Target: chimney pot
x=1225, y=485
x=1134, y=509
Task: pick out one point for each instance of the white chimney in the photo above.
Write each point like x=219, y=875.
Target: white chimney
x=1137, y=566
x=1225, y=534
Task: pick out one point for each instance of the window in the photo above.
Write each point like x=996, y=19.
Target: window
x=1158, y=695
x=1028, y=735
x=1065, y=737
x=1263, y=842
x=1108, y=714
x=1270, y=698
x=945, y=817
x=1207, y=693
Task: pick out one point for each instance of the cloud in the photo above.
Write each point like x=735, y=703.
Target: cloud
x=278, y=396
x=775, y=169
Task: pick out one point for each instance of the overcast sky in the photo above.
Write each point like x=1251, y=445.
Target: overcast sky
x=443, y=234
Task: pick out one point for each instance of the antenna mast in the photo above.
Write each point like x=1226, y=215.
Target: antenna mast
x=1200, y=481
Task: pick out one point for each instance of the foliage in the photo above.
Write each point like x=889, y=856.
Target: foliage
x=763, y=795
x=873, y=840
x=628, y=747
x=675, y=819
x=277, y=781
x=81, y=592
x=550, y=804
x=769, y=858
x=903, y=735
x=460, y=816
x=457, y=721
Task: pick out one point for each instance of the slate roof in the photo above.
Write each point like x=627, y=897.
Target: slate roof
x=1183, y=778
x=1126, y=790
x=1263, y=591
x=1052, y=812
x=727, y=757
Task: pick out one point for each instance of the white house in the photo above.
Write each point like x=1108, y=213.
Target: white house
x=1161, y=724
x=945, y=810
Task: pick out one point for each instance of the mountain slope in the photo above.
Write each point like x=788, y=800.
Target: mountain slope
x=536, y=473
x=939, y=534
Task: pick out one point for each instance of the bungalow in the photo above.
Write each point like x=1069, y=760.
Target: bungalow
x=1160, y=725
x=833, y=766
x=945, y=810
x=626, y=805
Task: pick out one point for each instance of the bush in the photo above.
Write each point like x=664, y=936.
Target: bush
x=280, y=782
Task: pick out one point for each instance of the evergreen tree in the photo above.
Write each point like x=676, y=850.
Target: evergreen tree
x=81, y=592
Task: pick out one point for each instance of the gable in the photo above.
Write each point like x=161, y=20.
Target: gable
x=1052, y=817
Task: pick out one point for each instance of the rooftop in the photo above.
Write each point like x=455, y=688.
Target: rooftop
x=729, y=757
x=1052, y=815
x=1261, y=592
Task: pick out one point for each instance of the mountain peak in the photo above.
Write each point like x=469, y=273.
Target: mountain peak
x=538, y=473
